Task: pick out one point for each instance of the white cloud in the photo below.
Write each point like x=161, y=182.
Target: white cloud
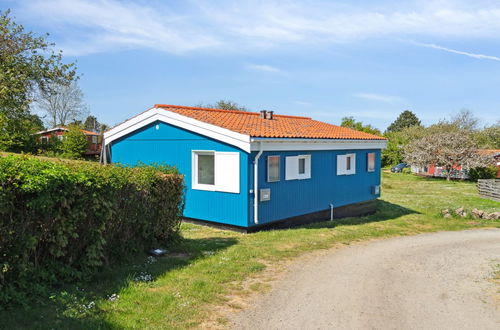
x=239, y=26
x=263, y=67
x=107, y=25
x=454, y=51
x=378, y=97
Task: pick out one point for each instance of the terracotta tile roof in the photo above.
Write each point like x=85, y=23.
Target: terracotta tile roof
x=281, y=126
x=89, y=132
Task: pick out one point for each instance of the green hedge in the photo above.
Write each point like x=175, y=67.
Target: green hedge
x=62, y=220
x=483, y=173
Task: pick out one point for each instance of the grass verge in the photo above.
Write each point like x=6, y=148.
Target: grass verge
x=209, y=268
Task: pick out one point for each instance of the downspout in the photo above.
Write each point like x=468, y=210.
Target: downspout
x=256, y=185
x=331, y=212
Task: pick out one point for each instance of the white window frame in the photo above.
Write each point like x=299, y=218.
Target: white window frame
x=342, y=164
x=368, y=168
x=221, y=182
x=194, y=158
x=279, y=168
x=94, y=139
x=292, y=167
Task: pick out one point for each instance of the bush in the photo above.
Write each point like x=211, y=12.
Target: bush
x=63, y=220
x=483, y=173
x=74, y=143
x=406, y=170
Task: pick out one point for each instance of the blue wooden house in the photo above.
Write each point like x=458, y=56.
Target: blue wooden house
x=248, y=169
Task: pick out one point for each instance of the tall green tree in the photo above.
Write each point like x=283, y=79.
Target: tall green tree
x=398, y=141
x=350, y=122
x=405, y=119
x=28, y=64
x=91, y=124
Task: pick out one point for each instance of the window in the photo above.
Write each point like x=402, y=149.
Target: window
x=298, y=167
x=44, y=139
x=216, y=171
x=302, y=165
x=94, y=139
x=371, y=162
x=60, y=137
x=273, y=168
x=206, y=169
x=346, y=164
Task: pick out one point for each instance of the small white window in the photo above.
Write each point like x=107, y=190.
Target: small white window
x=298, y=167
x=60, y=137
x=273, y=168
x=44, y=139
x=346, y=164
x=94, y=139
x=216, y=171
x=371, y=162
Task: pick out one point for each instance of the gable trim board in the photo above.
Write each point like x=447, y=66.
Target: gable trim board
x=238, y=140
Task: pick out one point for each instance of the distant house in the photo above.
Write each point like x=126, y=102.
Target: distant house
x=249, y=169
x=94, y=139
x=458, y=172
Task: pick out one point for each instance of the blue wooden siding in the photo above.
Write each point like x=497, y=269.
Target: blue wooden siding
x=297, y=197
x=171, y=145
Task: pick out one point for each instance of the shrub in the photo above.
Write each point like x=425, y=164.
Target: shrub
x=63, y=220
x=483, y=173
x=74, y=143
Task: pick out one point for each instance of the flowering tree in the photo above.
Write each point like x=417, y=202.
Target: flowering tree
x=446, y=149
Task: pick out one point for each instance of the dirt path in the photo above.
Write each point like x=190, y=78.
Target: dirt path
x=431, y=281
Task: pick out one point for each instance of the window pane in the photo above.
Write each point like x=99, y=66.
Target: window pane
x=302, y=166
x=348, y=163
x=273, y=168
x=371, y=162
x=206, y=169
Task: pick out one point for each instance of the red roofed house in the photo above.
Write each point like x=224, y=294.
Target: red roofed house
x=458, y=172
x=94, y=139
x=249, y=169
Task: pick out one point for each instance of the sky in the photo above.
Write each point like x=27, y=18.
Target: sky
x=321, y=59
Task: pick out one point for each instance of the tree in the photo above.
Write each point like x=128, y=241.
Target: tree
x=225, y=105
x=28, y=64
x=74, y=143
x=489, y=137
x=63, y=103
x=446, y=149
x=397, y=142
x=405, y=119
x=91, y=124
x=350, y=122
x=465, y=120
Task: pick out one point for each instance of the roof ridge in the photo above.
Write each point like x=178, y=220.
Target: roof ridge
x=223, y=110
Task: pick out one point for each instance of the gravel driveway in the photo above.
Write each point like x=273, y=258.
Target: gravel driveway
x=431, y=281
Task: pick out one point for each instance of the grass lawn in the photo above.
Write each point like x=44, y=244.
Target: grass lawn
x=212, y=270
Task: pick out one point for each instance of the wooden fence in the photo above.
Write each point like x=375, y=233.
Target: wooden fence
x=489, y=188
